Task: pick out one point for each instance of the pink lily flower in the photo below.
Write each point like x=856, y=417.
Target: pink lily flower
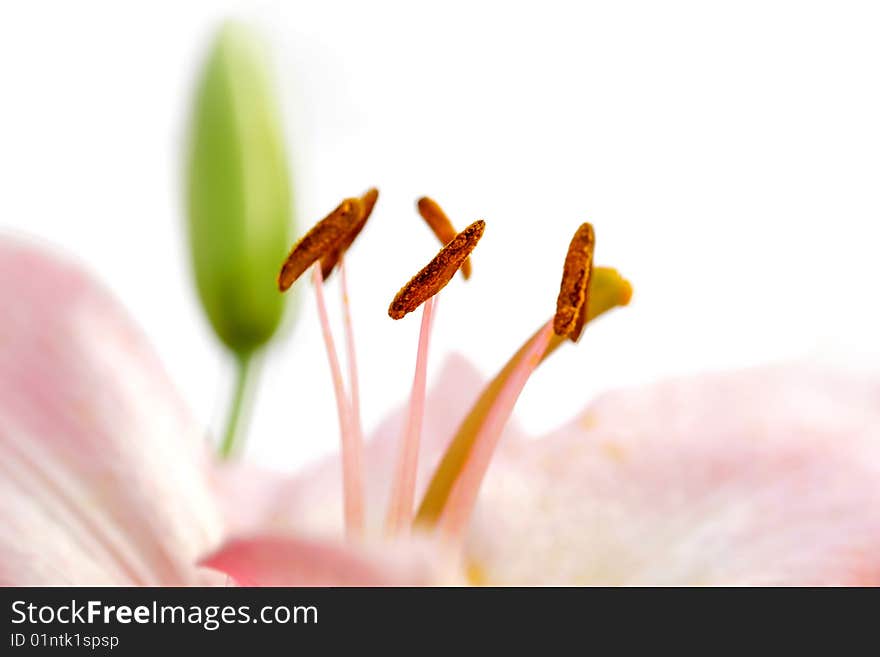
x=767, y=476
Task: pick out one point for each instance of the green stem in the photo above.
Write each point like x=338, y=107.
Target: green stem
x=236, y=423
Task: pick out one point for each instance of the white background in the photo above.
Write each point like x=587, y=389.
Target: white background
x=728, y=154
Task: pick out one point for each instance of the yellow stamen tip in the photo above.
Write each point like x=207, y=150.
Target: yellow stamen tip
x=437, y=273
x=441, y=226
x=572, y=302
x=323, y=238
x=329, y=261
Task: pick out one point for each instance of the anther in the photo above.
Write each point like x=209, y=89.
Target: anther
x=571, y=305
x=437, y=273
x=329, y=261
x=325, y=237
x=441, y=225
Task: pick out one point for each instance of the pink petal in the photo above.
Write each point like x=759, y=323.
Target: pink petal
x=252, y=496
x=102, y=477
x=768, y=476
x=289, y=561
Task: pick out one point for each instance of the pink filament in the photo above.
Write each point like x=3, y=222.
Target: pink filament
x=400, y=510
x=352, y=471
x=462, y=498
x=354, y=388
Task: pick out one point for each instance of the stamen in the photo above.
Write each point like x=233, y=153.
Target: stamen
x=352, y=457
x=354, y=388
x=328, y=262
x=400, y=509
x=324, y=237
x=355, y=439
x=437, y=220
x=572, y=302
x=437, y=273
x=608, y=289
x=463, y=496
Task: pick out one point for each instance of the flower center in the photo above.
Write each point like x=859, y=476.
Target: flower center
x=584, y=294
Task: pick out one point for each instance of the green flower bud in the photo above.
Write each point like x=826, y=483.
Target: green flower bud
x=239, y=196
